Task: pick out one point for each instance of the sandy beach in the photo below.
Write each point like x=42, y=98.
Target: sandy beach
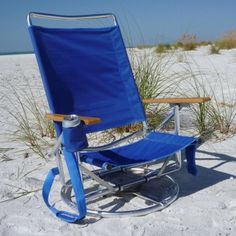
x=206, y=204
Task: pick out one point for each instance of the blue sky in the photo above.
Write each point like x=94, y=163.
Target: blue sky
x=147, y=21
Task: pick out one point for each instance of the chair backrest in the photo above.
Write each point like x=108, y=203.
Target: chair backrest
x=86, y=71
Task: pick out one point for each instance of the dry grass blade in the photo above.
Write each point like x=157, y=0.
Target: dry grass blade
x=30, y=125
x=20, y=192
x=5, y=158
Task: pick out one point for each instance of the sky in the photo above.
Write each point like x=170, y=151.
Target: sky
x=142, y=21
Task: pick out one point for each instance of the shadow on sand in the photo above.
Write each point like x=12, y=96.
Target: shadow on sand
x=207, y=176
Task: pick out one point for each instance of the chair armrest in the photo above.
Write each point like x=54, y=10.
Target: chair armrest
x=61, y=117
x=176, y=100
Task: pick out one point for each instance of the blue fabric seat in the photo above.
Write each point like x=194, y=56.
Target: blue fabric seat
x=155, y=146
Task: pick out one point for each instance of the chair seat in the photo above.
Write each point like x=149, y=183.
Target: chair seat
x=155, y=146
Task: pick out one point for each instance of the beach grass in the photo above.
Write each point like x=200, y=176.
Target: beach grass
x=28, y=125
x=217, y=115
x=214, y=49
x=227, y=41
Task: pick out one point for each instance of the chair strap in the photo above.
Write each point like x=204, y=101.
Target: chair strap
x=190, y=156
x=77, y=187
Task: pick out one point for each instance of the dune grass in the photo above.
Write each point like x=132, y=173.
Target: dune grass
x=186, y=42
x=163, y=48
x=222, y=110
x=28, y=124
x=218, y=114
x=228, y=40
x=155, y=77
x=144, y=46
x=214, y=49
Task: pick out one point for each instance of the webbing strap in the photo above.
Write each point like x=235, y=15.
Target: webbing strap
x=77, y=187
x=190, y=156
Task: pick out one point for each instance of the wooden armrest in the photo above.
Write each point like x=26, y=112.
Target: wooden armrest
x=177, y=100
x=60, y=117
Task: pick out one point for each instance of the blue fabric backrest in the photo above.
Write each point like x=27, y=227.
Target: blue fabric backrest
x=86, y=71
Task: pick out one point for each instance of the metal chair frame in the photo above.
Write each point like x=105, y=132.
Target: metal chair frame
x=113, y=189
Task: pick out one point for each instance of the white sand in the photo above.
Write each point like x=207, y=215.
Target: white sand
x=206, y=205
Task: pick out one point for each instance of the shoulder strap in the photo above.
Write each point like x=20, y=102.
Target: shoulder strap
x=77, y=187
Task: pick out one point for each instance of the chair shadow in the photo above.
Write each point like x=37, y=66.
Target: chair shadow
x=207, y=176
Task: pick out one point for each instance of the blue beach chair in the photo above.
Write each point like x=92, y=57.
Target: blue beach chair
x=90, y=87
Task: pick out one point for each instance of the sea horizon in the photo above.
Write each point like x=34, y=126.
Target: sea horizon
x=16, y=53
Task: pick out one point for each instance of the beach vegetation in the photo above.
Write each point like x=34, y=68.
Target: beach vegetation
x=28, y=118
x=228, y=40
x=155, y=77
x=187, y=42
x=163, y=48
x=144, y=46
x=217, y=115
x=214, y=49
